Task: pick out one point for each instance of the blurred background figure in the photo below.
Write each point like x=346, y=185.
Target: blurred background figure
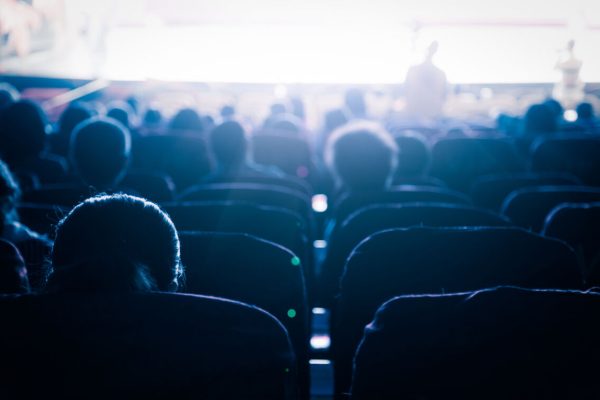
x=570, y=89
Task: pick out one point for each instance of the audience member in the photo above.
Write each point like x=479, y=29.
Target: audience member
x=69, y=119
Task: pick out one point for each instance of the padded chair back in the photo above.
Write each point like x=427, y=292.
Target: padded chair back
x=255, y=271
x=266, y=195
x=460, y=161
x=288, y=182
x=579, y=156
x=155, y=187
x=41, y=218
x=578, y=224
x=529, y=207
x=442, y=260
x=290, y=154
x=63, y=195
x=490, y=191
x=497, y=343
x=369, y=220
x=349, y=203
x=134, y=345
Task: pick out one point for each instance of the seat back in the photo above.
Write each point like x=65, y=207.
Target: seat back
x=152, y=345
x=266, y=195
x=369, y=220
x=529, y=207
x=63, y=195
x=460, y=161
x=349, y=203
x=579, y=156
x=578, y=224
x=41, y=218
x=490, y=191
x=498, y=343
x=440, y=260
x=255, y=271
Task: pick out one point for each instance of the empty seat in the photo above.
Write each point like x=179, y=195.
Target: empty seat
x=460, y=161
x=255, y=271
x=349, y=203
x=267, y=195
x=369, y=220
x=578, y=224
x=529, y=207
x=442, y=260
x=134, y=345
x=498, y=343
x=489, y=191
x=579, y=156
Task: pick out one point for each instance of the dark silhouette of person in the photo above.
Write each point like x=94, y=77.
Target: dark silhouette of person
x=586, y=118
x=186, y=121
x=100, y=149
x=229, y=145
x=354, y=101
x=23, y=137
x=362, y=157
x=33, y=246
x=8, y=95
x=539, y=120
x=13, y=272
x=115, y=243
x=69, y=119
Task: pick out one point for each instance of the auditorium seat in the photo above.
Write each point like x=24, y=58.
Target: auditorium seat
x=156, y=187
x=371, y=219
x=413, y=155
x=439, y=260
x=290, y=154
x=578, y=224
x=142, y=345
x=349, y=203
x=255, y=271
x=63, y=194
x=460, y=161
x=267, y=195
x=498, y=343
x=529, y=207
x=288, y=181
x=489, y=191
x=578, y=155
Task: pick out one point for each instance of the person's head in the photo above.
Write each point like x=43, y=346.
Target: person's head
x=556, y=108
x=285, y=124
x=354, y=101
x=585, y=111
x=115, y=243
x=9, y=195
x=227, y=112
x=13, y=273
x=71, y=117
x=362, y=156
x=188, y=120
x=229, y=144
x=152, y=117
x=23, y=129
x=539, y=119
x=99, y=151
x=122, y=112
x=334, y=119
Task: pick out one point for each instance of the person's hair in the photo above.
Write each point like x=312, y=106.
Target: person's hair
x=540, y=118
x=229, y=144
x=187, y=119
x=99, y=150
x=115, y=243
x=152, y=117
x=122, y=112
x=22, y=131
x=9, y=195
x=362, y=156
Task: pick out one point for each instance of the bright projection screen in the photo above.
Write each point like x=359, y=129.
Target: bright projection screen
x=297, y=41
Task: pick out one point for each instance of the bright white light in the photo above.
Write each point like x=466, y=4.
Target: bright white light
x=319, y=203
x=319, y=311
x=570, y=115
x=319, y=362
x=319, y=244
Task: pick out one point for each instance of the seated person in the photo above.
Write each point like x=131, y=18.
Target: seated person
x=362, y=157
x=13, y=273
x=69, y=119
x=229, y=146
x=23, y=139
x=115, y=243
